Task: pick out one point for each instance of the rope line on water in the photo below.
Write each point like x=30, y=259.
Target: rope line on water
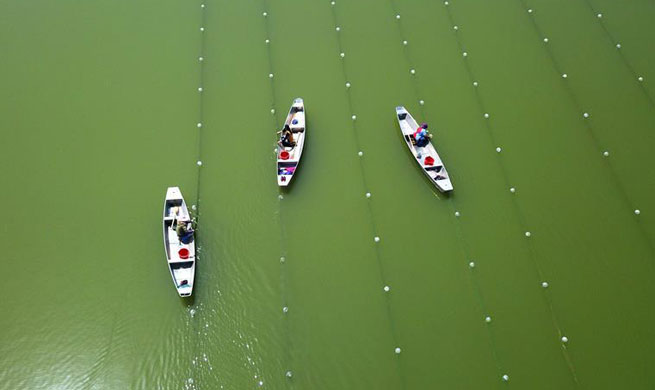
x=615, y=178
x=518, y=211
x=374, y=228
x=636, y=76
x=288, y=356
x=463, y=243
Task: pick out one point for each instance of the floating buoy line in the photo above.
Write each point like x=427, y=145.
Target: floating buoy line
x=488, y=124
x=602, y=151
x=462, y=241
x=368, y=194
x=268, y=42
x=639, y=77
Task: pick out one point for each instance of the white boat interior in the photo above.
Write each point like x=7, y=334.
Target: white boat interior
x=288, y=157
x=426, y=156
x=180, y=255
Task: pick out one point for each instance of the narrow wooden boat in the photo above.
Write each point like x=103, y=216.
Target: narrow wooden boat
x=180, y=250
x=426, y=157
x=288, y=155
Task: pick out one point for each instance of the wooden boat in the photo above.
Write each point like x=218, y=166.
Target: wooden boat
x=426, y=157
x=288, y=157
x=180, y=252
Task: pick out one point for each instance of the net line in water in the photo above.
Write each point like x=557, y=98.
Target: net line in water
x=194, y=309
x=517, y=208
x=463, y=243
x=376, y=239
x=288, y=355
x=636, y=76
x=602, y=151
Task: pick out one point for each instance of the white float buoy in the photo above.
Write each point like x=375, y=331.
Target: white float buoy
x=342, y=55
x=202, y=29
x=347, y=85
x=586, y=115
x=272, y=110
x=637, y=212
x=487, y=319
x=332, y=3
x=528, y=234
x=376, y=239
x=386, y=288
x=354, y=117
x=199, y=163
x=564, y=75
x=505, y=377
x=412, y=71
x=486, y=115
x=405, y=43
x=544, y=284
x=397, y=17
x=545, y=40
x=565, y=339
x=465, y=54
x=498, y=149
x=421, y=102
x=599, y=16
x=640, y=78
x=618, y=45
x=265, y=14
x=268, y=41
x=282, y=259
x=338, y=29
x=606, y=153
x=455, y=28
x=202, y=6
x=199, y=89
x=360, y=153
x=397, y=350
x=457, y=213
x=280, y=197
x=512, y=190
x=200, y=59
x=472, y=264
x=270, y=75
x=530, y=10
x=199, y=124
x=285, y=309
x=446, y=3
x=289, y=374
x=475, y=83
x=368, y=194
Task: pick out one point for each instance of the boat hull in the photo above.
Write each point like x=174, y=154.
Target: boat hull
x=426, y=157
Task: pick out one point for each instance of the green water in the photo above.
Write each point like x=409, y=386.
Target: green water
x=99, y=106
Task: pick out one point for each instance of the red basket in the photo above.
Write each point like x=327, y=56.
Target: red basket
x=184, y=253
x=428, y=161
x=284, y=155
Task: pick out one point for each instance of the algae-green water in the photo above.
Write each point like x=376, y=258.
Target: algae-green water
x=535, y=273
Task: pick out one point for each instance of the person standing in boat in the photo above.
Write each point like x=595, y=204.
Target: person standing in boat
x=286, y=139
x=422, y=136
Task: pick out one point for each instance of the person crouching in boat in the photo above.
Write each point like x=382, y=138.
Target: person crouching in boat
x=286, y=137
x=422, y=136
x=184, y=232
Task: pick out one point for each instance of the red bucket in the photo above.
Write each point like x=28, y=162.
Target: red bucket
x=284, y=155
x=184, y=253
x=428, y=161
